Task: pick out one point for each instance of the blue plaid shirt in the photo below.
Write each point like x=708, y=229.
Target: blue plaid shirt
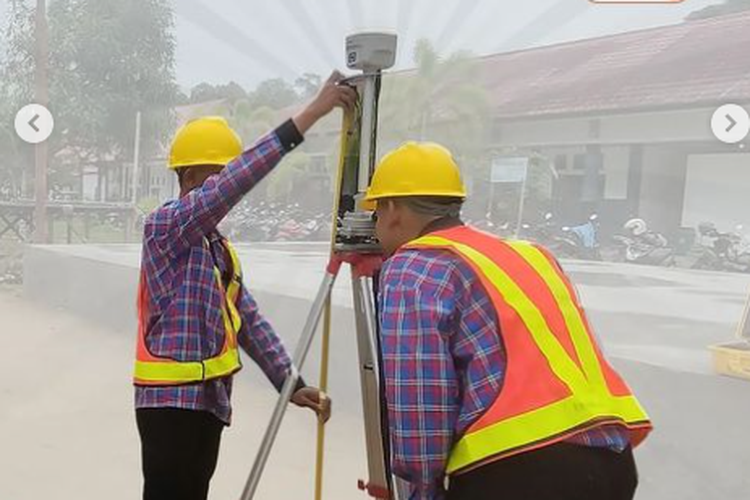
x=444, y=363
x=185, y=320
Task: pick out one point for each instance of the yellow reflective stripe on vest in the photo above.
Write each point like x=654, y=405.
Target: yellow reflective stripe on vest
x=227, y=362
x=233, y=290
x=560, y=363
x=156, y=372
x=223, y=365
x=556, y=419
x=590, y=400
x=571, y=314
x=187, y=371
x=230, y=314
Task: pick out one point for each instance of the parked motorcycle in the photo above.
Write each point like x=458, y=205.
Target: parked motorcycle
x=650, y=250
x=722, y=251
x=578, y=242
x=543, y=232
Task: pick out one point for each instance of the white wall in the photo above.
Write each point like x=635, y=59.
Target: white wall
x=656, y=127
x=616, y=168
x=718, y=190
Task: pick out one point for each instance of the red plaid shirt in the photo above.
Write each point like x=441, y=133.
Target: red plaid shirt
x=185, y=320
x=444, y=363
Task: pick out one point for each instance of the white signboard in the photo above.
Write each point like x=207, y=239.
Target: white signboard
x=509, y=170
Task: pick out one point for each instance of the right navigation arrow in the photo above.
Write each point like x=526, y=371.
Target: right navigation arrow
x=732, y=123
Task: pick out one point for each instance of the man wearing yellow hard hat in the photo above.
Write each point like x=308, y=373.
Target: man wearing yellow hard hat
x=494, y=381
x=194, y=313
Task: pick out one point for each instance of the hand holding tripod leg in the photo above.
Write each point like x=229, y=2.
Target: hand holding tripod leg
x=303, y=347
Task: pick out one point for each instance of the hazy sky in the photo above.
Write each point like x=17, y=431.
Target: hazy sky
x=251, y=40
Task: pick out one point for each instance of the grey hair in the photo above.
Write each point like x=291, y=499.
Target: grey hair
x=434, y=206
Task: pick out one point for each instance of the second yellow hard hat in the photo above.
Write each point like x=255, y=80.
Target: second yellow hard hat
x=415, y=169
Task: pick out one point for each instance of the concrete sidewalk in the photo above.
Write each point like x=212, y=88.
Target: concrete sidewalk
x=67, y=427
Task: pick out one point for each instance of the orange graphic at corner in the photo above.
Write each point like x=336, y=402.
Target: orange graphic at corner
x=636, y=1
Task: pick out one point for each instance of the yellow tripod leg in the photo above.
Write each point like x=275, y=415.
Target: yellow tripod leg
x=326, y=342
x=320, y=451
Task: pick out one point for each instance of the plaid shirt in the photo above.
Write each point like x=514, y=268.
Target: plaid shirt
x=443, y=362
x=185, y=320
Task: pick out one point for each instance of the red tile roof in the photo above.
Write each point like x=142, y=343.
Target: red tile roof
x=693, y=63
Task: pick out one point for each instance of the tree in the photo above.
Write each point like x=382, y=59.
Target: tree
x=282, y=182
x=726, y=7
x=109, y=59
x=12, y=162
x=440, y=98
x=18, y=62
x=204, y=92
x=307, y=85
x=97, y=88
x=441, y=101
x=275, y=93
x=16, y=71
x=250, y=122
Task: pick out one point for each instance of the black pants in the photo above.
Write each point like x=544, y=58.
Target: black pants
x=179, y=450
x=558, y=472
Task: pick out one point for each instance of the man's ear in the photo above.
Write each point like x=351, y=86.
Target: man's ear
x=395, y=214
x=187, y=177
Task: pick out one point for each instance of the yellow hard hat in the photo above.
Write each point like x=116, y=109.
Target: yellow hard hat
x=204, y=141
x=415, y=169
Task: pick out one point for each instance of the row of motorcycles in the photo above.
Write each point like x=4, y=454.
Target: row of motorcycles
x=574, y=242
x=262, y=221
x=579, y=241
x=712, y=249
x=636, y=244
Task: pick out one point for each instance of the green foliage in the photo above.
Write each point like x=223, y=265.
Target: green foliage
x=282, y=182
x=307, y=85
x=539, y=186
x=275, y=93
x=205, y=92
x=251, y=122
x=441, y=101
x=108, y=59
x=16, y=70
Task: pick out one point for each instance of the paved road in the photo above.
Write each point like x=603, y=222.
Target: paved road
x=655, y=324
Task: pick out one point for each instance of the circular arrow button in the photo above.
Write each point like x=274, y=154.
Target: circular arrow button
x=34, y=123
x=730, y=123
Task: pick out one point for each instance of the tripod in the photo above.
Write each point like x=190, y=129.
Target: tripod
x=363, y=268
x=353, y=243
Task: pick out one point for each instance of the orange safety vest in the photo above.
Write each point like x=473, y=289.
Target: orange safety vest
x=151, y=370
x=557, y=382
